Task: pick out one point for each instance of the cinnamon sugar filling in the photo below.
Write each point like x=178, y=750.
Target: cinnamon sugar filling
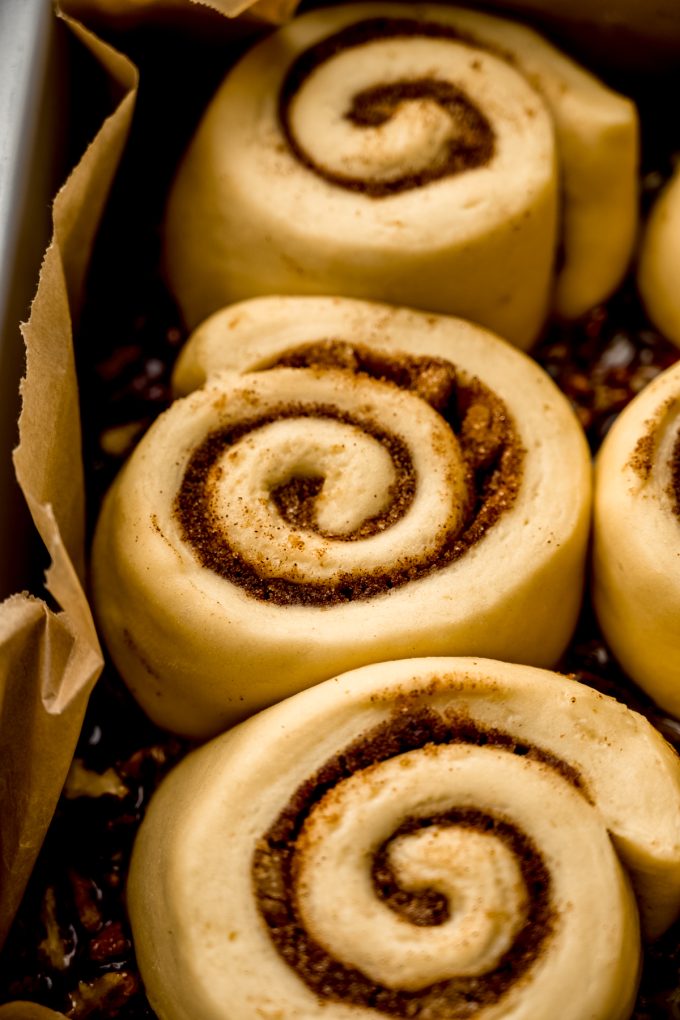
x=490, y=448
x=675, y=476
x=472, y=141
x=274, y=865
x=642, y=459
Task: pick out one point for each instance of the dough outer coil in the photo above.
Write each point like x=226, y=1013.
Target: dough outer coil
x=410, y=154
x=427, y=838
x=637, y=539
x=361, y=483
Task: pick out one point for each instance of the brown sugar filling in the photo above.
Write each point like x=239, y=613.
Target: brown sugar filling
x=492, y=454
x=675, y=476
x=274, y=869
x=642, y=459
x=472, y=141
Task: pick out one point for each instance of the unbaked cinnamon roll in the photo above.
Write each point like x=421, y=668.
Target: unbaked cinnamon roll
x=402, y=484
x=434, y=838
x=659, y=268
x=637, y=539
x=412, y=154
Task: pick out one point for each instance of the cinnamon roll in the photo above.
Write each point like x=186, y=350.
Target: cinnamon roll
x=637, y=539
x=659, y=268
x=409, y=154
x=433, y=838
x=422, y=488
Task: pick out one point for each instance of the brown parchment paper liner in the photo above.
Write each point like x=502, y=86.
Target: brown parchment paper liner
x=49, y=661
x=126, y=13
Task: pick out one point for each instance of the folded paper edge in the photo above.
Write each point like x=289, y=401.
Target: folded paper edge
x=49, y=661
x=274, y=11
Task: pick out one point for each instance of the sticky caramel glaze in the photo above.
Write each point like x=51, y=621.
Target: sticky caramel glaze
x=274, y=874
x=472, y=143
x=489, y=443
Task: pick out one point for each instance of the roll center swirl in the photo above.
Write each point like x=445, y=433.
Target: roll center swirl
x=315, y=504
x=448, y=873
x=443, y=131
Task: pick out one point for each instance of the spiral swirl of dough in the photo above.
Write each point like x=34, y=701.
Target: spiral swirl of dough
x=409, y=154
x=434, y=838
x=454, y=136
x=414, y=485
x=367, y=507
x=637, y=539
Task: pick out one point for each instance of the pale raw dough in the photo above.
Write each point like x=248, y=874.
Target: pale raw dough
x=247, y=218
x=199, y=652
x=659, y=269
x=594, y=788
x=637, y=540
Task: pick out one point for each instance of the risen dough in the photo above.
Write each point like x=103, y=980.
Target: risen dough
x=659, y=270
x=301, y=865
x=637, y=539
x=414, y=159
x=240, y=558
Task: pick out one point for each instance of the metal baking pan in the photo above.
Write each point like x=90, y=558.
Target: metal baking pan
x=32, y=119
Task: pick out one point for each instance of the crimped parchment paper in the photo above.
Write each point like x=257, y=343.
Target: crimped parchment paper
x=129, y=12
x=50, y=659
